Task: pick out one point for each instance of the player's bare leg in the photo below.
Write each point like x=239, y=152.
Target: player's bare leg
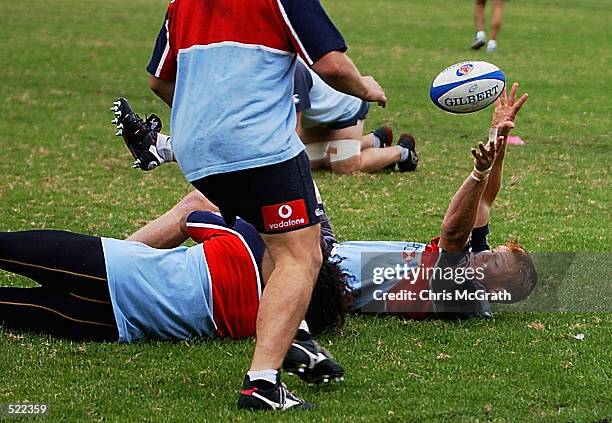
x=479, y=19
x=297, y=259
x=496, y=23
x=353, y=152
x=479, y=14
x=374, y=159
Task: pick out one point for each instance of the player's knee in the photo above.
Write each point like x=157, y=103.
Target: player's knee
x=345, y=156
x=302, y=255
x=315, y=258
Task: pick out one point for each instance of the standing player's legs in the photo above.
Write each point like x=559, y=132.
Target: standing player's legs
x=498, y=11
x=280, y=201
x=479, y=20
x=297, y=259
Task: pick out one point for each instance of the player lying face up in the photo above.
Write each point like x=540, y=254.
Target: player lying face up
x=506, y=273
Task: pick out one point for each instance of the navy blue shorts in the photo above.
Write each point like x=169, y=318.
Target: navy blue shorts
x=276, y=198
x=360, y=115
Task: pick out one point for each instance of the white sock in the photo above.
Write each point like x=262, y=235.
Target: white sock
x=163, y=145
x=376, y=142
x=268, y=375
x=404, y=153
x=492, y=43
x=304, y=326
x=480, y=35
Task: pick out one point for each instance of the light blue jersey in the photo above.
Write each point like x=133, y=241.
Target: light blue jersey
x=162, y=294
x=325, y=104
x=241, y=117
x=385, y=254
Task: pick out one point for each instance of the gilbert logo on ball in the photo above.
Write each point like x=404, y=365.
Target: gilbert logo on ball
x=466, y=87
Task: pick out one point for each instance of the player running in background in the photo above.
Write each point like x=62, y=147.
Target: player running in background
x=226, y=69
x=496, y=21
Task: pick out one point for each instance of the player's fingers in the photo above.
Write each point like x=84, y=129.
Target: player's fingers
x=503, y=98
x=475, y=154
x=492, y=148
x=513, y=91
x=483, y=149
x=520, y=102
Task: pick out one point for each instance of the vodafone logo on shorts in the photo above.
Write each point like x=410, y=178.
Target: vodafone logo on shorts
x=289, y=215
x=285, y=211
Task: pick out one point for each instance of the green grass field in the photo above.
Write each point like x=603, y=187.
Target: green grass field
x=64, y=62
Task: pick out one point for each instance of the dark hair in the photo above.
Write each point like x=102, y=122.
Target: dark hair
x=523, y=281
x=331, y=297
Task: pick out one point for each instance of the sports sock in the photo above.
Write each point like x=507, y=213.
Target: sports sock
x=303, y=333
x=376, y=142
x=268, y=375
x=304, y=326
x=480, y=35
x=163, y=145
x=492, y=44
x=404, y=153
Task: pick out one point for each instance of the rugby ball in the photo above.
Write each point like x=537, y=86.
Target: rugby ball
x=466, y=87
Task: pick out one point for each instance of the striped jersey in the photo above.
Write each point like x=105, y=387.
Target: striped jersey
x=233, y=64
x=209, y=290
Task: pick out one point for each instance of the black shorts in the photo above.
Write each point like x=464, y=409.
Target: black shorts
x=360, y=115
x=276, y=198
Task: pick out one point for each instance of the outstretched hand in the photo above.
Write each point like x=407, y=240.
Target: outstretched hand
x=506, y=109
x=484, y=156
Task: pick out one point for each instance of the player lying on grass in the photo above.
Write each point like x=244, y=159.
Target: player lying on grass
x=456, y=275
x=106, y=289
x=505, y=274
x=330, y=124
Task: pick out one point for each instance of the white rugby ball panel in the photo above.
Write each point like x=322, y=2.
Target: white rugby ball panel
x=467, y=87
x=463, y=71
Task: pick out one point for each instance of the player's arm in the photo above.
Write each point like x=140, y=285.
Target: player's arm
x=506, y=109
x=317, y=40
x=162, y=88
x=461, y=214
x=162, y=66
x=339, y=71
x=170, y=229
